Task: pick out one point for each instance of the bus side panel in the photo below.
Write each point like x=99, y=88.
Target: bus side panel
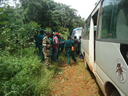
x=104, y=78
x=107, y=57
x=85, y=48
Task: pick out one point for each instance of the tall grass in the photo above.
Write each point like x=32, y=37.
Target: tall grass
x=22, y=73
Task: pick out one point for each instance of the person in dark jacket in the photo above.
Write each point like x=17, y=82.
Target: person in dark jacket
x=76, y=45
x=39, y=43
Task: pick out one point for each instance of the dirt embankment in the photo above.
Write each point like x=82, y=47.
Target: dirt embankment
x=76, y=81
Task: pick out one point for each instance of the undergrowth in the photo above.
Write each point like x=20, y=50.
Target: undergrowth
x=22, y=73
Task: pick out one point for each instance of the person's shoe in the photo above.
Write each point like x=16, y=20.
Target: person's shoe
x=41, y=61
x=69, y=66
x=47, y=67
x=76, y=62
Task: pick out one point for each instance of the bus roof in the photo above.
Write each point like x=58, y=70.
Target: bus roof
x=77, y=29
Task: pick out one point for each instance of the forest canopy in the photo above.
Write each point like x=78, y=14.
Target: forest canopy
x=47, y=13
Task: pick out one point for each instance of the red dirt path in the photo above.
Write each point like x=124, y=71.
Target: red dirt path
x=76, y=81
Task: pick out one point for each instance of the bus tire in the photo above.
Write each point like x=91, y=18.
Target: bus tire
x=115, y=93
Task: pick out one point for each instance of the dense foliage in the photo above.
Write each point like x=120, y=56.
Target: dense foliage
x=21, y=72
x=51, y=14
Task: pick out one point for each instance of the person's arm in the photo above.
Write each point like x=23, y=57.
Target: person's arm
x=56, y=41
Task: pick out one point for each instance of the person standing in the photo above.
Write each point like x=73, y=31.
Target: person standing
x=69, y=52
x=80, y=54
x=56, y=46
x=46, y=49
x=63, y=41
x=76, y=45
x=39, y=43
x=52, y=43
x=60, y=44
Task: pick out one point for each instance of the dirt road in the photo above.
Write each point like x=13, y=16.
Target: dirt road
x=76, y=81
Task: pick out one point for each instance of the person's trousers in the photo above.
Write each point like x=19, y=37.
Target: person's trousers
x=47, y=59
x=41, y=52
x=51, y=53
x=55, y=54
x=68, y=56
x=75, y=51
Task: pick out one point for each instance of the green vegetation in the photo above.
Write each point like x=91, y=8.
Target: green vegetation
x=21, y=72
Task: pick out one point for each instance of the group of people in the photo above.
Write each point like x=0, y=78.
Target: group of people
x=50, y=46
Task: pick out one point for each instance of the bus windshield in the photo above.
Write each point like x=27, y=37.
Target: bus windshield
x=114, y=20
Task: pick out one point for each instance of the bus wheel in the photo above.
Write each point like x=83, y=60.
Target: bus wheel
x=115, y=93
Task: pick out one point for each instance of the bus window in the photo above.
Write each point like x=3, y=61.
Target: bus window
x=87, y=30
x=83, y=32
x=122, y=21
x=105, y=20
x=114, y=20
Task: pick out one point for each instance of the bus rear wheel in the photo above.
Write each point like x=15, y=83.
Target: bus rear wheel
x=115, y=93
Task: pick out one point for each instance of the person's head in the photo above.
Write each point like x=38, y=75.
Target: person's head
x=68, y=37
x=45, y=31
x=74, y=37
x=41, y=31
x=52, y=35
x=80, y=37
x=48, y=34
x=62, y=37
x=37, y=30
x=51, y=31
x=56, y=34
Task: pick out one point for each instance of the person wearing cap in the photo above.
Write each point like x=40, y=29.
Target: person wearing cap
x=51, y=31
x=39, y=43
x=46, y=49
x=68, y=44
x=52, y=43
x=56, y=46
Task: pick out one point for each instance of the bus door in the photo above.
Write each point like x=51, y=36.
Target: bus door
x=85, y=41
x=93, y=27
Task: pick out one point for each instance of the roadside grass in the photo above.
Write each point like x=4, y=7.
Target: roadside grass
x=22, y=73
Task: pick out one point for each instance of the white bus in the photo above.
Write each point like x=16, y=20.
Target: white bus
x=76, y=32
x=104, y=45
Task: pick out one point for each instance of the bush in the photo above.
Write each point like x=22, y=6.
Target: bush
x=23, y=74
